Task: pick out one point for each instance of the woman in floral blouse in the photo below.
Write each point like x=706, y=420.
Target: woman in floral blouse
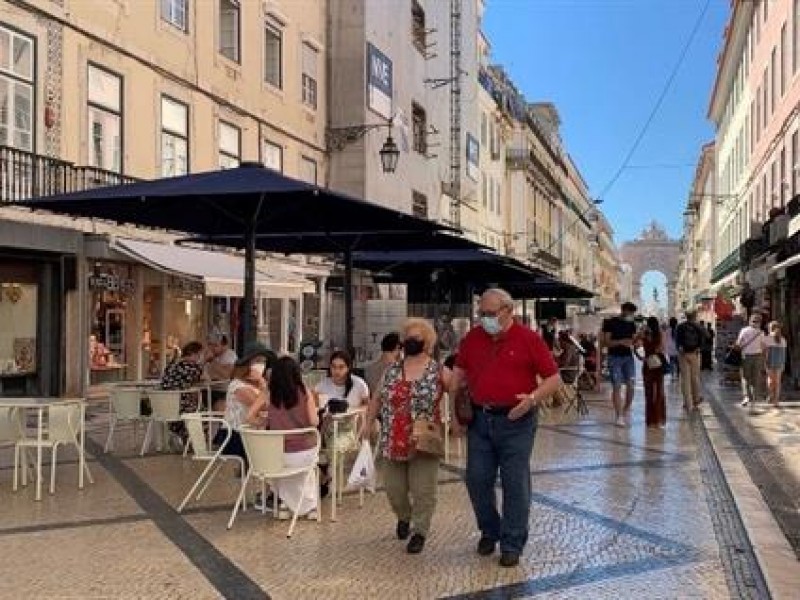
x=182, y=374
x=412, y=389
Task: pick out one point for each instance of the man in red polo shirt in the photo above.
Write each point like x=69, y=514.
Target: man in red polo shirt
x=508, y=370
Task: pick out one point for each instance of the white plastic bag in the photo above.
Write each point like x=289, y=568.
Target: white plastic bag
x=362, y=476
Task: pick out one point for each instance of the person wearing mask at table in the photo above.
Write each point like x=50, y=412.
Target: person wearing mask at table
x=246, y=396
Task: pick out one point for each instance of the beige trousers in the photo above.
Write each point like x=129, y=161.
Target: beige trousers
x=690, y=378
x=411, y=488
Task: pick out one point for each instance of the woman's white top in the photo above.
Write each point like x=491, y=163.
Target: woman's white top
x=235, y=411
x=356, y=397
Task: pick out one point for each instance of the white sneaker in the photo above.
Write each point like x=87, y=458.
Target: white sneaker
x=745, y=402
x=311, y=515
x=620, y=422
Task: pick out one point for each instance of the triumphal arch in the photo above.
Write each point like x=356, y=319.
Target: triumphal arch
x=653, y=251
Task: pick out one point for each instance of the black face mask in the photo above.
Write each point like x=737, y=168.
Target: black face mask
x=413, y=346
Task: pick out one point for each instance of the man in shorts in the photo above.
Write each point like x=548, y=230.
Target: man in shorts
x=618, y=337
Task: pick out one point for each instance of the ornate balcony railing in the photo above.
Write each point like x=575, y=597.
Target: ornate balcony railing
x=26, y=175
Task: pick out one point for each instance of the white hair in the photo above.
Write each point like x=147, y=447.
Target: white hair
x=501, y=295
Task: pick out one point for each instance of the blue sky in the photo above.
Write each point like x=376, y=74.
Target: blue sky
x=604, y=63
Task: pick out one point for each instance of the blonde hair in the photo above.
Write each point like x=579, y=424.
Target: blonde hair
x=776, y=329
x=425, y=328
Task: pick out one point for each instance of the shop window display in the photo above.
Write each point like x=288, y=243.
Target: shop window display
x=18, y=310
x=111, y=290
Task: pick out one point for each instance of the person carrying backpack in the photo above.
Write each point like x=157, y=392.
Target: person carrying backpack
x=689, y=339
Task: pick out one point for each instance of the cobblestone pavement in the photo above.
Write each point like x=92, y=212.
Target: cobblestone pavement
x=617, y=513
x=768, y=443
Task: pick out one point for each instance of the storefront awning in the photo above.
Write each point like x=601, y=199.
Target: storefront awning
x=792, y=260
x=221, y=274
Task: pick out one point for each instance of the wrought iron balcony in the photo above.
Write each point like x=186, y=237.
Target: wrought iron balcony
x=26, y=175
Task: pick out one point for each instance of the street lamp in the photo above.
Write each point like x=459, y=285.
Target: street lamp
x=390, y=154
x=337, y=138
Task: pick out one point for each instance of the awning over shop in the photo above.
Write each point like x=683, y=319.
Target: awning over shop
x=793, y=260
x=221, y=274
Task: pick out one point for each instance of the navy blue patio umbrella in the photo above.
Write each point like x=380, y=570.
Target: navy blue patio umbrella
x=252, y=206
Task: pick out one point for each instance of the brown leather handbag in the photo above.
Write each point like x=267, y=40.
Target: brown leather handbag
x=426, y=436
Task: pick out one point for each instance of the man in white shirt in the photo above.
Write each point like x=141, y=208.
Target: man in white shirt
x=750, y=342
x=220, y=358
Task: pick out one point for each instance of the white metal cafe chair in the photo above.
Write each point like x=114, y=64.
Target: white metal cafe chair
x=63, y=427
x=199, y=426
x=124, y=405
x=12, y=430
x=265, y=452
x=343, y=440
x=166, y=409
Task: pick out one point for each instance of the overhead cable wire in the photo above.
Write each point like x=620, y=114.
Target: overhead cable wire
x=659, y=102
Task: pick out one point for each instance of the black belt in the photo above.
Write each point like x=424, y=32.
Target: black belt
x=492, y=409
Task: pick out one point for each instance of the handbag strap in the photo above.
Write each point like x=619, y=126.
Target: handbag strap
x=751, y=340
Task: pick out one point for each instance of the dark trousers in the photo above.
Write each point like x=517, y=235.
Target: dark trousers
x=234, y=447
x=496, y=443
x=655, y=406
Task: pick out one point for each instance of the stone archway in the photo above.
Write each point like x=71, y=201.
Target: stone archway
x=653, y=251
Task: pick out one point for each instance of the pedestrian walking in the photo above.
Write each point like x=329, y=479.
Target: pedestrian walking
x=618, y=337
x=501, y=362
x=655, y=407
x=391, y=346
x=689, y=337
x=672, y=350
x=750, y=342
x=775, y=359
x=410, y=393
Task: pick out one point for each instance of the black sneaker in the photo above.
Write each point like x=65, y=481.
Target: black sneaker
x=486, y=546
x=509, y=559
x=415, y=544
x=403, y=530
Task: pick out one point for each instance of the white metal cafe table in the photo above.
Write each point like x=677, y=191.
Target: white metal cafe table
x=40, y=405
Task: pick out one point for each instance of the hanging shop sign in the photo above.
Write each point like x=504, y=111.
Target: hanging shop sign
x=379, y=82
x=186, y=288
x=110, y=282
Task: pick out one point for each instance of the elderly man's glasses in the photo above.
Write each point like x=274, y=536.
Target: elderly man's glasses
x=491, y=313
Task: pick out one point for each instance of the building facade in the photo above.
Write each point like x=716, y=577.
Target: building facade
x=98, y=93
x=755, y=106
x=699, y=241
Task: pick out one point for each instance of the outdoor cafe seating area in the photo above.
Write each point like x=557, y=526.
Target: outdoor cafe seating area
x=134, y=423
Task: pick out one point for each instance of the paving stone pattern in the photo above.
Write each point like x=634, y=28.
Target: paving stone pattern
x=616, y=513
x=768, y=443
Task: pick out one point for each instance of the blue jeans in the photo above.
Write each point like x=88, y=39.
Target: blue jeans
x=623, y=370
x=495, y=442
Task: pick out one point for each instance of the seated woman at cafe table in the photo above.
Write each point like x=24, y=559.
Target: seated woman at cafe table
x=291, y=405
x=182, y=374
x=340, y=384
x=246, y=397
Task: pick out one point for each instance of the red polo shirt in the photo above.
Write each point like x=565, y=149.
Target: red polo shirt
x=499, y=368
